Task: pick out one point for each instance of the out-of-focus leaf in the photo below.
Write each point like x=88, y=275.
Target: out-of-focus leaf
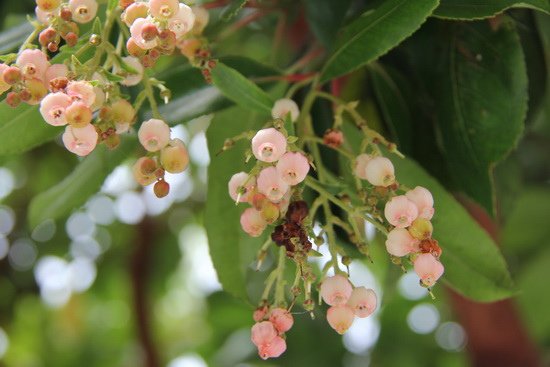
x=239, y=89
x=326, y=17
x=474, y=266
x=13, y=37
x=375, y=33
x=75, y=189
x=476, y=9
x=231, y=249
x=481, y=102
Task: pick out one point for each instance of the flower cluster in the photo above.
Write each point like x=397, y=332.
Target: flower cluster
x=268, y=332
x=164, y=155
x=346, y=302
x=279, y=169
x=61, y=19
x=157, y=26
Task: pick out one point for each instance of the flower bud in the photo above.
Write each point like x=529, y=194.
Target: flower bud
x=401, y=243
x=122, y=112
x=260, y=313
x=333, y=138
x=13, y=100
x=423, y=200
x=174, y=157
x=161, y=188
x=269, y=212
x=268, y=145
x=362, y=301
x=421, y=229
x=283, y=107
x=271, y=184
x=154, y=134
x=400, y=211
x=428, y=268
x=340, y=318
x=379, y=171
x=336, y=290
x=293, y=167
x=11, y=75
x=281, y=319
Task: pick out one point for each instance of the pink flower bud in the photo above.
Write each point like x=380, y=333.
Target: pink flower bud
x=81, y=91
x=56, y=71
x=263, y=333
x=281, y=319
x=340, y=318
x=283, y=107
x=154, y=134
x=182, y=22
x=401, y=243
x=333, y=138
x=3, y=85
x=80, y=141
x=293, y=167
x=428, y=268
x=252, y=222
x=236, y=181
x=259, y=313
x=134, y=11
x=136, y=30
x=271, y=184
x=11, y=75
x=268, y=145
x=360, y=168
x=33, y=63
x=163, y=8
x=400, y=211
x=423, y=200
x=174, y=157
x=53, y=108
x=274, y=349
x=362, y=301
x=78, y=114
x=83, y=10
x=379, y=171
x=336, y=290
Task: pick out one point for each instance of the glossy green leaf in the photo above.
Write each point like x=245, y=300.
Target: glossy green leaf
x=75, y=189
x=478, y=9
x=375, y=33
x=231, y=249
x=325, y=18
x=12, y=38
x=481, y=102
x=239, y=89
x=474, y=266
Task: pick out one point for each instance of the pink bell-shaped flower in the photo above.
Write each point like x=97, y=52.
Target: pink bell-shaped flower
x=362, y=301
x=428, y=268
x=281, y=319
x=401, y=243
x=154, y=134
x=400, y=211
x=271, y=184
x=340, y=318
x=293, y=167
x=379, y=171
x=80, y=141
x=252, y=222
x=336, y=290
x=53, y=108
x=423, y=200
x=268, y=145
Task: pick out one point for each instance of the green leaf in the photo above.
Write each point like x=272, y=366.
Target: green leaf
x=394, y=105
x=375, y=33
x=13, y=37
x=75, y=189
x=481, y=102
x=478, y=9
x=474, y=266
x=239, y=89
x=231, y=249
x=192, y=97
x=325, y=18
x=23, y=128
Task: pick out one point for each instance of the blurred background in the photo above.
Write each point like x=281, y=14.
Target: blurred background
x=126, y=280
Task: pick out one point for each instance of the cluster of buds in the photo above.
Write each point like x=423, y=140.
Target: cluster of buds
x=164, y=155
x=61, y=19
x=346, y=302
x=278, y=171
x=269, y=331
x=157, y=26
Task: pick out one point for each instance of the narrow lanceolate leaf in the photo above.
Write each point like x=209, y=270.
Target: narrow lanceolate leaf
x=478, y=9
x=325, y=18
x=23, y=128
x=375, y=33
x=73, y=191
x=239, y=89
x=481, y=102
x=231, y=249
x=474, y=266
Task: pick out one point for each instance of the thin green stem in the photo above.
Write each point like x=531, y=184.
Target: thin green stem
x=269, y=284
x=105, y=34
x=30, y=39
x=280, y=288
x=148, y=89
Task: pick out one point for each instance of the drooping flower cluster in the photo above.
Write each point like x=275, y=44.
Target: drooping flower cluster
x=269, y=331
x=279, y=169
x=165, y=155
x=346, y=302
